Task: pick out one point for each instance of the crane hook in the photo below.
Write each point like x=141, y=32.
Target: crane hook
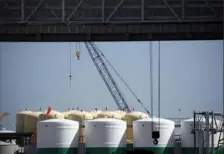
x=155, y=141
x=78, y=55
x=70, y=76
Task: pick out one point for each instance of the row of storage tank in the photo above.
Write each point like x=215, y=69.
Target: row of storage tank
x=26, y=121
x=103, y=132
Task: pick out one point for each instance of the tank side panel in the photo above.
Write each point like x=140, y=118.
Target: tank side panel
x=51, y=135
x=143, y=139
x=188, y=138
x=105, y=134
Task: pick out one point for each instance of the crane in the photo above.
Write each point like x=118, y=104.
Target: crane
x=107, y=77
x=98, y=59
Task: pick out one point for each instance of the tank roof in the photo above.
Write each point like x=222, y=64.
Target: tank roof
x=156, y=120
x=24, y=112
x=83, y=114
x=107, y=120
x=137, y=114
x=96, y=110
x=58, y=121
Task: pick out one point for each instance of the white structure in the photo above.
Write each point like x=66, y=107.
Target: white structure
x=142, y=134
x=105, y=136
x=57, y=135
x=8, y=148
x=187, y=137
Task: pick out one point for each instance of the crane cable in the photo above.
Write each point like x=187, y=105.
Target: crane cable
x=155, y=134
x=70, y=63
x=123, y=81
x=151, y=80
x=223, y=62
x=159, y=85
x=1, y=87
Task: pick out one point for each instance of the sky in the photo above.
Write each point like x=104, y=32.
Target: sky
x=34, y=75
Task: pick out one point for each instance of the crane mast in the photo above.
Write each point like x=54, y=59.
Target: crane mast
x=106, y=76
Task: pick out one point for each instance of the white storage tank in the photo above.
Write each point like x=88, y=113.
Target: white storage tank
x=187, y=137
x=106, y=136
x=56, y=136
x=142, y=135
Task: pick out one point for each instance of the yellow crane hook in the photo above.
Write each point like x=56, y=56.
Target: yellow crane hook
x=78, y=55
x=3, y=115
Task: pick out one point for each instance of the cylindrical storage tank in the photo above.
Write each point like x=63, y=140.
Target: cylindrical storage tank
x=187, y=137
x=106, y=136
x=109, y=114
x=20, y=120
x=66, y=113
x=57, y=136
x=75, y=111
x=52, y=115
x=122, y=113
x=81, y=117
x=94, y=113
x=142, y=135
x=130, y=118
x=31, y=120
x=20, y=124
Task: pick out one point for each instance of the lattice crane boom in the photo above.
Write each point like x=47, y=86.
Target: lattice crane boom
x=106, y=76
